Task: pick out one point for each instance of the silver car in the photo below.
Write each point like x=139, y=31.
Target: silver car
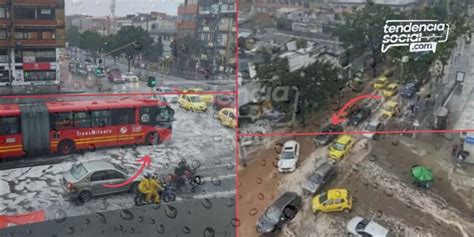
x=317, y=179
x=86, y=180
x=361, y=227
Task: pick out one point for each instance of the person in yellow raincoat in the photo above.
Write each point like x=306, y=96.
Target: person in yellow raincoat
x=156, y=188
x=145, y=186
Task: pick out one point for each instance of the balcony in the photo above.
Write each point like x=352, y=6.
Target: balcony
x=38, y=42
x=33, y=22
x=37, y=2
x=186, y=25
x=190, y=9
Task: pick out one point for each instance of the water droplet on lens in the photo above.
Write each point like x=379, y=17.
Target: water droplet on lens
x=120, y=228
x=230, y=166
x=235, y=222
x=271, y=197
x=196, y=164
x=217, y=162
x=152, y=221
x=29, y=232
x=157, y=206
x=140, y=219
x=259, y=180
x=81, y=230
x=206, y=203
x=132, y=230
x=274, y=175
x=260, y=196
x=253, y=211
x=60, y=216
x=230, y=202
x=160, y=229
x=209, y=232
x=239, y=196
x=70, y=230
x=187, y=230
x=104, y=205
x=263, y=162
x=101, y=218
x=126, y=215
x=216, y=181
x=114, y=229
x=87, y=221
x=171, y=212
x=228, y=141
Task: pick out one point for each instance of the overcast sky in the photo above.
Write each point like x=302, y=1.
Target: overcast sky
x=123, y=7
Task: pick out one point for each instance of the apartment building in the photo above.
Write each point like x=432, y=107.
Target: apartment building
x=31, y=37
x=187, y=16
x=217, y=33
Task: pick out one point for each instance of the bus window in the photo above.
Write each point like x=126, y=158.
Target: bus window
x=146, y=115
x=101, y=118
x=123, y=116
x=82, y=120
x=9, y=126
x=61, y=121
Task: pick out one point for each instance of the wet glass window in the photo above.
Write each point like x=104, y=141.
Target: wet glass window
x=123, y=116
x=62, y=121
x=82, y=120
x=112, y=174
x=99, y=176
x=9, y=125
x=101, y=118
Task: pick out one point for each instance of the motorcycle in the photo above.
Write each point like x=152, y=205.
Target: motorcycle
x=167, y=195
x=189, y=176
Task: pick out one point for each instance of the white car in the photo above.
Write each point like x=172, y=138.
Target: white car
x=373, y=126
x=130, y=76
x=168, y=94
x=289, y=157
x=361, y=227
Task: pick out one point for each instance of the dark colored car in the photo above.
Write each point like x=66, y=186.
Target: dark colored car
x=359, y=116
x=284, y=209
x=410, y=89
x=318, y=178
x=325, y=139
x=223, y=101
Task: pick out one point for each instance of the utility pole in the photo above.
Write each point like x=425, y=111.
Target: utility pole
x=216, y=40
x=11, y=54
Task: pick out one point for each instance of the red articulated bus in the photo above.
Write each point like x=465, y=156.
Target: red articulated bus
x=62, y=127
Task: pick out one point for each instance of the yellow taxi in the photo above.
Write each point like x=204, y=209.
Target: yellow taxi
x=390, y=109
x=207, y=98
x=332, y=200
x=341, y=147
x=227, y=116
x=192, y=102
x=390, y=90
x=380, y=83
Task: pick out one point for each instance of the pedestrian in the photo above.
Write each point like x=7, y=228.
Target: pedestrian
x=417, y=97
x=455, y=149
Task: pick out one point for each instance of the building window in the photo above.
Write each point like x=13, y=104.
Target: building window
x=3, y=34
x=46, y=14
x=25, y=13
x=4, y=13
x=40, y=76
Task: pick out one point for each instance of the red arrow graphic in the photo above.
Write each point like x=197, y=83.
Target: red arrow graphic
x=146, y=160
x=335, y=119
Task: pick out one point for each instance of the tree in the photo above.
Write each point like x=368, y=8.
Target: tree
x=155, y=52
x=73, y=36
x=91, y=41
x=316, y=83
x=363, y=30
x=184, y=50
x=129, y=34
x=301, y=43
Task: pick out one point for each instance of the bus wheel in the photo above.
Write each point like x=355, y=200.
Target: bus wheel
x=66, y=147
x=152, y=138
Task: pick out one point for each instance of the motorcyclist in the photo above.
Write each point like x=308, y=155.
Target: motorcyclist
x=156, y=188
x=181, y=169
x=145, y=187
